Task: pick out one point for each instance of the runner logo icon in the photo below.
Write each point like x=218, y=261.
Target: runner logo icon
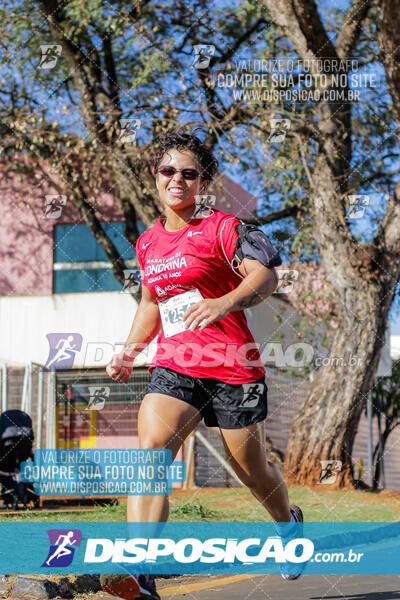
x=54, y=206
x=97, y=397
x=203, y=55
x=50, y=55
x=63, y=347
x=251, y=394
x=62, y=547
x=329, y=471
x=130, y=283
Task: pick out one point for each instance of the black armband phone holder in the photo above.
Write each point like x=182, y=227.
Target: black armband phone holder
x=254, y=244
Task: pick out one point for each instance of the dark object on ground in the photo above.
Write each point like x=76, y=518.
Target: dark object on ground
x=16, y=441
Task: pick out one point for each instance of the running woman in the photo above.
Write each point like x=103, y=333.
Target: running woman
x=207, y=365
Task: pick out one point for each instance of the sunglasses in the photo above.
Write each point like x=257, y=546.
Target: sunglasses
x=189, y=174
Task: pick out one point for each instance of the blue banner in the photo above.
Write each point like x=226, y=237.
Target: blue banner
x=185, y=548
x=99, y=472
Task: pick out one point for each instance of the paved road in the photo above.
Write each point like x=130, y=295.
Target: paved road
x=273, y=587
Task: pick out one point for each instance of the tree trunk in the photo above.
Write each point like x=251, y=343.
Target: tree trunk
x=325, y=426
x=364, y=276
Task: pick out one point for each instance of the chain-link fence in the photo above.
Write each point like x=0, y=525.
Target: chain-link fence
x=94, y=411
x=65, y=407
x=29, y=389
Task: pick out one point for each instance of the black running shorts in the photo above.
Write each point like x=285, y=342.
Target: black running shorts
x=225, y=405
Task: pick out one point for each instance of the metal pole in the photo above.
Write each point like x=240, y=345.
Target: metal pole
x=380, y=446
x=4, y=390
x=39, y=410
x=217, y=455
x=29, y=390
x=369, y=417
x=24, y=389
x=50, y=412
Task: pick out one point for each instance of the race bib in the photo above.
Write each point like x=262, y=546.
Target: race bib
x=173, y=309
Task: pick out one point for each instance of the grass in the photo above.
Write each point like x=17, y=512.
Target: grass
x=237, y=504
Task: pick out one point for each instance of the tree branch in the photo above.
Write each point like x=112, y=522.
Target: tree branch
x=389, y=46
x=111, y=73
x=84, y=71
x=243, y=38
x=388, y=237
x=301, y=23
x=284, y=213
x=373, y=177
x=351, y=28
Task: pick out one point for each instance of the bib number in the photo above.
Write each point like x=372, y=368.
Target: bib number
x=173, y=309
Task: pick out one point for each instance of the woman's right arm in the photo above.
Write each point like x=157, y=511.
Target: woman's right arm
x=146, y=324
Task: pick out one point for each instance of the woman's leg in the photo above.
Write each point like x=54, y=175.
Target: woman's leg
x=163, y=422
x=247, y=454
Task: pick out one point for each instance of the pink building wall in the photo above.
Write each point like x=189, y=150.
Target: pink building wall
x=26, y=238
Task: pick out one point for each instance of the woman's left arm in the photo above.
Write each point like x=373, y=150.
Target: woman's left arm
x=258, y=283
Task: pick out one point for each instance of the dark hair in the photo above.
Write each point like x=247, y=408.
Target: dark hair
x=179, y=140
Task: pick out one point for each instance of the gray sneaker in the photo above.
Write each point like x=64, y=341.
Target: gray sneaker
x=290, y=571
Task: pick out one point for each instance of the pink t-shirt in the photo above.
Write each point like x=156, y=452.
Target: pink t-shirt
x=198, y=256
